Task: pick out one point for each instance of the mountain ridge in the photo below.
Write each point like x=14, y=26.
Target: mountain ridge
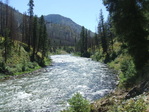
x=62, y=31
x=59, y=19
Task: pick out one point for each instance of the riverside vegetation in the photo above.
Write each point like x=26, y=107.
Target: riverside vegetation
x=122, y=42
x=23, y=47
x=19, y=61
x=117, y=100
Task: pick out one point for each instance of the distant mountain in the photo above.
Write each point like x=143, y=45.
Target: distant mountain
x=62, y=30
x=58, y=19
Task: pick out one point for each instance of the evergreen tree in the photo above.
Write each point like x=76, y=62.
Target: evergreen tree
x=102, y=32
x=41, y=27
x=31, y=13
x=35, y=37
x=89, y=40
x=129, y=21
x=6, y=32
x=25, y=28
x=1, y=18
x=83, y=43
x=43, y=43
x=96, y=40
x=83, y=40
x=12, y=25
x=82, y=35
x=110, y=31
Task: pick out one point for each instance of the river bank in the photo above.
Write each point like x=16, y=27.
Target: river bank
x=19, y=61
x=22, y=74
x=135, y=99
x=114, y=100
x=124, y=98
x=35, y=69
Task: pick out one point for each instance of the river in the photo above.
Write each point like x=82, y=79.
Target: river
x=49, y=90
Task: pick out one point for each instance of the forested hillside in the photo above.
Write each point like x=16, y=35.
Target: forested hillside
x=24, y=43
x=122, y=42
x=63, y=31
x=61, y=34
x=58, y=19
x=38, y=35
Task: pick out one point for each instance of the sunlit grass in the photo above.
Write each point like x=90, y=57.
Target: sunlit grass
x=19, y=60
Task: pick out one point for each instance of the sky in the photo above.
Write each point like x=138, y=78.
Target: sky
x=83, y=12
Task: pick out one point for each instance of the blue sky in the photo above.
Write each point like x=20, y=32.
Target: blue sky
x=83, y=12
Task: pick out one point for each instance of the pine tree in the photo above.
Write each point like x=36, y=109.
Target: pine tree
x=85, y=42
x=96, y=40
x=129, y=22
x=31, y=13
x=1, y=18
x=25, y=28
x=41, y=27
x=35, y=37
x=43, y=43
x=82, y=40
x=110, y=31
x=102, y=32
x=12, y=25
x=6, y=32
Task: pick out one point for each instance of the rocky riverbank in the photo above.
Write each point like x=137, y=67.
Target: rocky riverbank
x=135, y=99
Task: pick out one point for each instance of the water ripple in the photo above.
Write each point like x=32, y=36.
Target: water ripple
x=49, y=91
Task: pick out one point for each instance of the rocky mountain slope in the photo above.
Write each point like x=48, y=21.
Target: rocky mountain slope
x=62, y=30
x=58, y=19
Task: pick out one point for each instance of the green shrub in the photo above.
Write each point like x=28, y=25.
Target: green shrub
x=146, y=71
x=18, y=68
x=128, y=72
x=78, y=104
x=130, y=106
x=97, y=56
x=10, y=70
x=23, y=66
x=30, y=65
x=2, y=66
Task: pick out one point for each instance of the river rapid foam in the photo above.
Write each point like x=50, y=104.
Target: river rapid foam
x=49, y=91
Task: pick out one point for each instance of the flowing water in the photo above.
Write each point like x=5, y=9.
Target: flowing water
x=49, y=90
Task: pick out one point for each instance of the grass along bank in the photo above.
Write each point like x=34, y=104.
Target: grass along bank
x=18, y=60
x=132, y=93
